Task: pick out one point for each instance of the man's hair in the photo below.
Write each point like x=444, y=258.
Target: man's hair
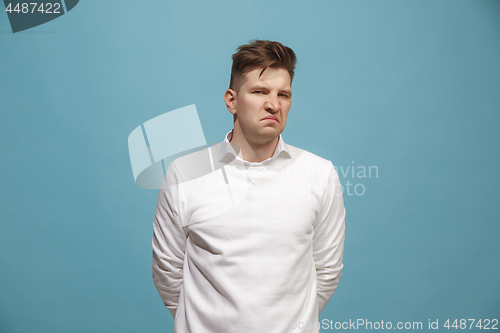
x=261, y=54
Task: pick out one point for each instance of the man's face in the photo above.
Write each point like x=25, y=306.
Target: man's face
x=262, y=104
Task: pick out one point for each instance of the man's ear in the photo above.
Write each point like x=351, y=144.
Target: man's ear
x=230, y=99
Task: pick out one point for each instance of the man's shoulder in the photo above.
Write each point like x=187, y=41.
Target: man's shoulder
x=315, y=167
x=308, y=157
x=194, y=164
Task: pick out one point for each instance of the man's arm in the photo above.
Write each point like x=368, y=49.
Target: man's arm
x=328, y=243
x=169, y=241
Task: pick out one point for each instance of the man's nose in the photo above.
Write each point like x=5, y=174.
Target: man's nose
x=272, y=103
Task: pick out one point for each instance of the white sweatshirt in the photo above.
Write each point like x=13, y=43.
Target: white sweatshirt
x=248, y=247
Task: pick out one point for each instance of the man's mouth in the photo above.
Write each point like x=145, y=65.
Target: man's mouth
x=271, y=119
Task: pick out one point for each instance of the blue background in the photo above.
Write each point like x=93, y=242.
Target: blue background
x=412, y=87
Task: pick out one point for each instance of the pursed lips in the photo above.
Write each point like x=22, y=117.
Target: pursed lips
x=271, y=118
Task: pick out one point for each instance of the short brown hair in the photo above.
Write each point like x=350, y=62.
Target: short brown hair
x=262, y=54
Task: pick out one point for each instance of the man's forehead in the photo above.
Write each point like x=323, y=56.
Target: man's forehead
x=256, y=75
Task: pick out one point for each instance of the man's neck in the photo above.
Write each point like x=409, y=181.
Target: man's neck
x=252, y=152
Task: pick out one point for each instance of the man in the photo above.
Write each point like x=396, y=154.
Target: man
x=256, y=244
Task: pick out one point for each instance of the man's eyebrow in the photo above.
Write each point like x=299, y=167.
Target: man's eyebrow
x=258, y=87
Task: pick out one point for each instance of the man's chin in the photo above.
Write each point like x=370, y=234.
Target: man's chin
x=269, y=134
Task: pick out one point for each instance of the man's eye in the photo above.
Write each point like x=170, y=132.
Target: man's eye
x=258, y=92
x=284, y=95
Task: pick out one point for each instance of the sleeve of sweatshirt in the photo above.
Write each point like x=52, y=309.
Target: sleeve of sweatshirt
x=328, y=242
x=169, y=240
